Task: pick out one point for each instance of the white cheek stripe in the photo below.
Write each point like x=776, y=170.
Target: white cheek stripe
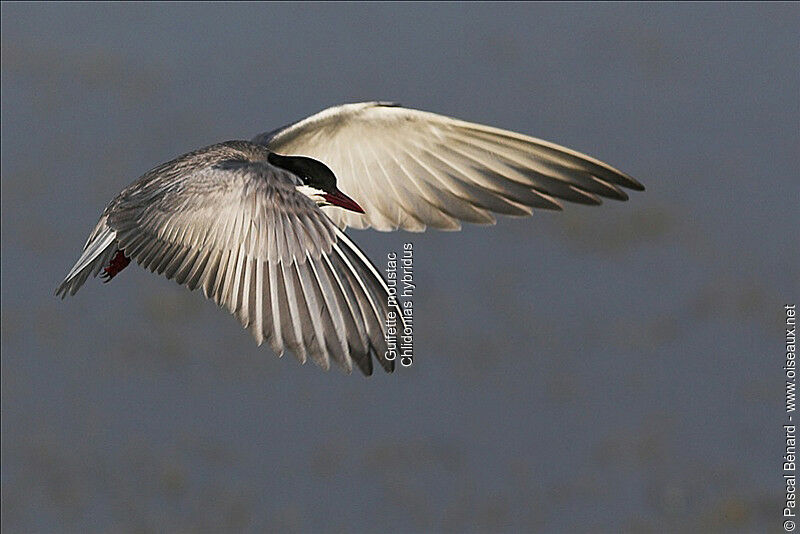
x=312, y=192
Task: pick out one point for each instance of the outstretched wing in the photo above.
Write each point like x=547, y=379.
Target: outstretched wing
x=241, y=231
x=411, y=169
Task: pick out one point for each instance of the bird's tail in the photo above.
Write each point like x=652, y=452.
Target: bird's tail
x=98, y=251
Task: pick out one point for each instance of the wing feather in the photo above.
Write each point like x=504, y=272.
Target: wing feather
x=237, y=227
x=411, y=169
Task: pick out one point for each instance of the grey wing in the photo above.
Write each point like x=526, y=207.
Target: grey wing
x=256, y=246
x=411, y=169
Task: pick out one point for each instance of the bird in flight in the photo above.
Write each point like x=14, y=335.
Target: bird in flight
x=259, y=224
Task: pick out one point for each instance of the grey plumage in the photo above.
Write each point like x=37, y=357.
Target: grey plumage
x=224, y=219
x=238, y=223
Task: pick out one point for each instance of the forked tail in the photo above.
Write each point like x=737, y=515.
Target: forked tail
x=97, y=253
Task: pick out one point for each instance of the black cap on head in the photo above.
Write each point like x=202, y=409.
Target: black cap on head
x=312, y=172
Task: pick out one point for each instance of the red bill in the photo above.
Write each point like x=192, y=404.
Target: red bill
x=337, y=198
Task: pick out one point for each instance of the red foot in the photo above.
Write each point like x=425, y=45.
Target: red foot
x=117, y=263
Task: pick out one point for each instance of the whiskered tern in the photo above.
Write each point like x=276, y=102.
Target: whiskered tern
x=244, y=220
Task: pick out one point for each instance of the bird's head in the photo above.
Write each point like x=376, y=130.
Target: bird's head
x=317, y=181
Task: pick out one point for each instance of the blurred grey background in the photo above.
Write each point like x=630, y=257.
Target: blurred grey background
x=608, y=368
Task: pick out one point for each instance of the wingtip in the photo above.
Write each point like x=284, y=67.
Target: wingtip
x=585, y=197
x=632, y=183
